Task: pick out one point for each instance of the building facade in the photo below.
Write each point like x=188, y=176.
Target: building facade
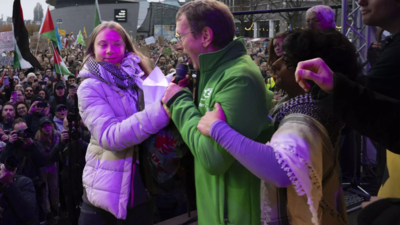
x=74, y=15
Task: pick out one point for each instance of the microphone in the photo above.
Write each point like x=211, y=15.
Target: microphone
x=181, y=71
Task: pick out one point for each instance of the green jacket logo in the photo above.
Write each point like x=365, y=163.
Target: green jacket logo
x=207, y=92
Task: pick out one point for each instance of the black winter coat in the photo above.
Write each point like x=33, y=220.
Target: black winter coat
x=19, y=202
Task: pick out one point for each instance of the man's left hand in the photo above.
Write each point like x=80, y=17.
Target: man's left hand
x=171, y=91
x=373, y=199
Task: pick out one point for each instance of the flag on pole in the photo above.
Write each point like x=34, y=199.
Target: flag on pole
x=59, y=45
x=47, y=28
x=80, y=40
x=65, y=41
x=62, y=32
x=84, y=32
x=97, y=17
x=59, y=64
x=23, y=57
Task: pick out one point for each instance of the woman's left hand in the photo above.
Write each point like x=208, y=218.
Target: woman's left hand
x=209, y=118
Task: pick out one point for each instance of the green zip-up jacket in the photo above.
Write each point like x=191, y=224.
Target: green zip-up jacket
x=226, y=192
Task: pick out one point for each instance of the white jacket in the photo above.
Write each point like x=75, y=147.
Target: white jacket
x=116, y=128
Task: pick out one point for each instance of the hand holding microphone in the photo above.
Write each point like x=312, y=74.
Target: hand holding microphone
x=181, y=72
x=179, y=81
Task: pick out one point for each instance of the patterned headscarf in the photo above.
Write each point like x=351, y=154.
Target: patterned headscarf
x=123, y=77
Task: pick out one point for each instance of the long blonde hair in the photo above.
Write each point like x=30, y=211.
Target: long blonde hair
x=144, y=64
x=44, y=139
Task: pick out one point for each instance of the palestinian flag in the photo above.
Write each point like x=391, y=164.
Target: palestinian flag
x=47, y=28
x=97, y=17
x=23, y=58
x=59, y=64
x=65, y=41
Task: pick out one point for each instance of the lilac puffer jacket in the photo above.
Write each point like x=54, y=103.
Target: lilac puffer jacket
x=116, y=127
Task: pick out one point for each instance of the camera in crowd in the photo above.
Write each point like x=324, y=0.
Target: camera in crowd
x=27, y=133
x=42, y=104
x=75, y=134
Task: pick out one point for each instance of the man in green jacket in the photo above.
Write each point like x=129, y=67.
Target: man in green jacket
x=227, y=193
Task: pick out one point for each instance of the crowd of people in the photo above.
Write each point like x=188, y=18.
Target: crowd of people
x=38, y=102
x=269, y=114
x=34, y=130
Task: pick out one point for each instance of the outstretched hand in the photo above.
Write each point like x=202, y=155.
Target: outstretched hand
x=317, y=71
x=209, y=118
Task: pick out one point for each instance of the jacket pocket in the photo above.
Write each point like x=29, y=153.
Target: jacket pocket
x=88, y=212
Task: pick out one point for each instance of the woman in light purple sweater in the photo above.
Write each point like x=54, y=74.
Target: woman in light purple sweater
x=299, y=166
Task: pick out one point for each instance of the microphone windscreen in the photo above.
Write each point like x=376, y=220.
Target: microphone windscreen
x=181, y=72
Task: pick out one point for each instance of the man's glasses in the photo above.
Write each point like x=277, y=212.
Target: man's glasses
x=179, y=36
x=62, y=109
x=28, y=90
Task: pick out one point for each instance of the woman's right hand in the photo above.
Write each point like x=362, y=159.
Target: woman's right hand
x=209, y=118
x=317, y=71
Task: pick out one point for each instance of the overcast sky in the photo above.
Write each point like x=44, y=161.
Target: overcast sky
x=6, y=7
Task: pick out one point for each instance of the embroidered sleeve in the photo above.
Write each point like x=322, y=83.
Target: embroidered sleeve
x=300, y=156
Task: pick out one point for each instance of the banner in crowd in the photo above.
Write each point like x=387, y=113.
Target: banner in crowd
x=161, y=40
x=150, y=40
x=62, y=32
x=168, y=31
x=167, y=51
x=7, y=41
x=145, y=50
x=6, y=61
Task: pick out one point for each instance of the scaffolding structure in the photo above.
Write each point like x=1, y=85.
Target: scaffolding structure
x=352, y=27
x=358, y=33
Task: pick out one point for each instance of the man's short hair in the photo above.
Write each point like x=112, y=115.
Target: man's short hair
x=7, y=103
x=17, y=121
x=213, y=14
x=326, y=13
